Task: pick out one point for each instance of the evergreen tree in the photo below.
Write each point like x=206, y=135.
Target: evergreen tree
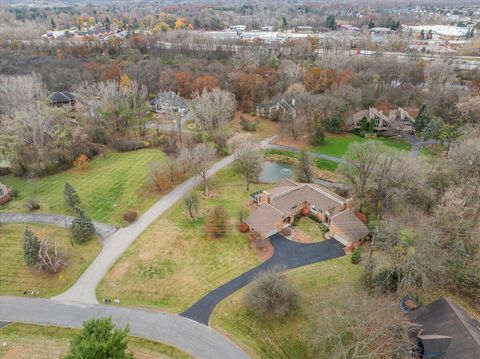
x=82, y=227
x=318, y=136
x=70, y=197
x=371, y=24
x=31, y=246
x=424, y=117
x=331, y=24
x=100, y=339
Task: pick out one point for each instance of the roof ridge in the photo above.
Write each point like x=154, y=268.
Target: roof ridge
x=326, y=194
x=289, y=190
x=459, y=313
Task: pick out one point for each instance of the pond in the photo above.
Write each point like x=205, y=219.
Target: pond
x=274, y=171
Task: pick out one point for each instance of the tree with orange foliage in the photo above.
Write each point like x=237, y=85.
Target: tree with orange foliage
x=139, y=42
x=124, y=81
x=207, y=82
x=318, y=80
x=94, y=69
x=252, y=90
x=181, y=23
x=110, y=73
x=184, y=83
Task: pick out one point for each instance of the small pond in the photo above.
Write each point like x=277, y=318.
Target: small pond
x=274, y=171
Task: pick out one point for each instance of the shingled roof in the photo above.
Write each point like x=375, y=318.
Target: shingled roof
x=61, y=97
x=445, y=318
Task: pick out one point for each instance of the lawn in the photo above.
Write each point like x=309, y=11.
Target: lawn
x=110, y=185
x=15, y=277
x=337, y=145
x=265, y=128
x=27, y=341
x=319, y=284
x=173, y=263
x=311, y=228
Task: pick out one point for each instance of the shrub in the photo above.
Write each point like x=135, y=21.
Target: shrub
x=387, y=280
x=99, y=135
x=32, y=204
x=14, y=193
x=30, y=246
x=242, y=214
x=356, y=256
x=243, y=227
x=100, y=339
x=305, y=212
x=261, y=244
x=125, y=145
x=82, y=227
x=217, y=222
x=70, y=197
x=469, y=283
x=130, y=216
x=271, y=295
x=248, y=125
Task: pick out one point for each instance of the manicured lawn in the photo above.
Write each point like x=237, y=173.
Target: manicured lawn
x=318, y=284
x=173, y=263
x=15, y=277
x=27, y=341
x=265, y=128
x=109, y=186
x=337, y=145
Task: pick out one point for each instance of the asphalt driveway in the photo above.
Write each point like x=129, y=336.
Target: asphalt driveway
x=287, y=254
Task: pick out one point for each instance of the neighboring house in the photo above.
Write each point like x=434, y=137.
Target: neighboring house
x=396, y=120
x=60, y=99
x=276, y=209
x=169, y=101
x=270, y=110
x=5, y=194
x=446, y=331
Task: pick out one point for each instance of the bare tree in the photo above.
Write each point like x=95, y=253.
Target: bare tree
x=19, y=93
x=213, y=110
x=304, y=167
x=248, y=160
x=191, y=204
x=50, y=257
x=198, y=160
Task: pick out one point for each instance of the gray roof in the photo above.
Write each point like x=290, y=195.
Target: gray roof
x=62, y=96
x=445, y=318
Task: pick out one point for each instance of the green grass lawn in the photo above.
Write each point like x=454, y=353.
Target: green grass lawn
x=16, y=277
x=173, y=263
x=27, y=341
x=337, y=145
x=318, y=284
x=109, y=186
x=311, y=228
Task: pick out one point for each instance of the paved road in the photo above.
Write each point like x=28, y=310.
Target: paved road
x=103, y=230
x=83, y=291
x=314, y=154
x=287, y=254
x=416, y=144
x=194, y=338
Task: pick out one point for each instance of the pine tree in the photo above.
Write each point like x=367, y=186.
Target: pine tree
x=31, y=246
x=70, y=197
x=423, y=119
x=82, y=227
x=318, y=136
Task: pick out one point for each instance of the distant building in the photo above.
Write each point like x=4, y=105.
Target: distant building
x=267, y=28
x=62, y=98
x=348, y=28
x=304, y=29
x=273, y=109
x=169, y=101
x=238, y=28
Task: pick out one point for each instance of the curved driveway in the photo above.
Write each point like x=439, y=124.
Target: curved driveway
x=191, y=337
x=287, y=254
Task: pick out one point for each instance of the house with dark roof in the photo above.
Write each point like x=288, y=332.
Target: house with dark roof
x=62, y=98
x=276, y=209
x=446, y=331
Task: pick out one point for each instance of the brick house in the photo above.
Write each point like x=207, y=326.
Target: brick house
x=276, y=209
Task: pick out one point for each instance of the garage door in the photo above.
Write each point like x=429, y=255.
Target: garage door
x=341, y=240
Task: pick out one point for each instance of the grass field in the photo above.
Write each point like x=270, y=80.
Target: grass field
x=265, y=128
x=15, y=277
x=109, y=186
x=337, y=145
x=174, y=263
x=311, y=228
x=27, y=341
x=319, y=284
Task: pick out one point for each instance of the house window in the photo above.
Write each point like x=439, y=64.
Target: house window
x=314, y=209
